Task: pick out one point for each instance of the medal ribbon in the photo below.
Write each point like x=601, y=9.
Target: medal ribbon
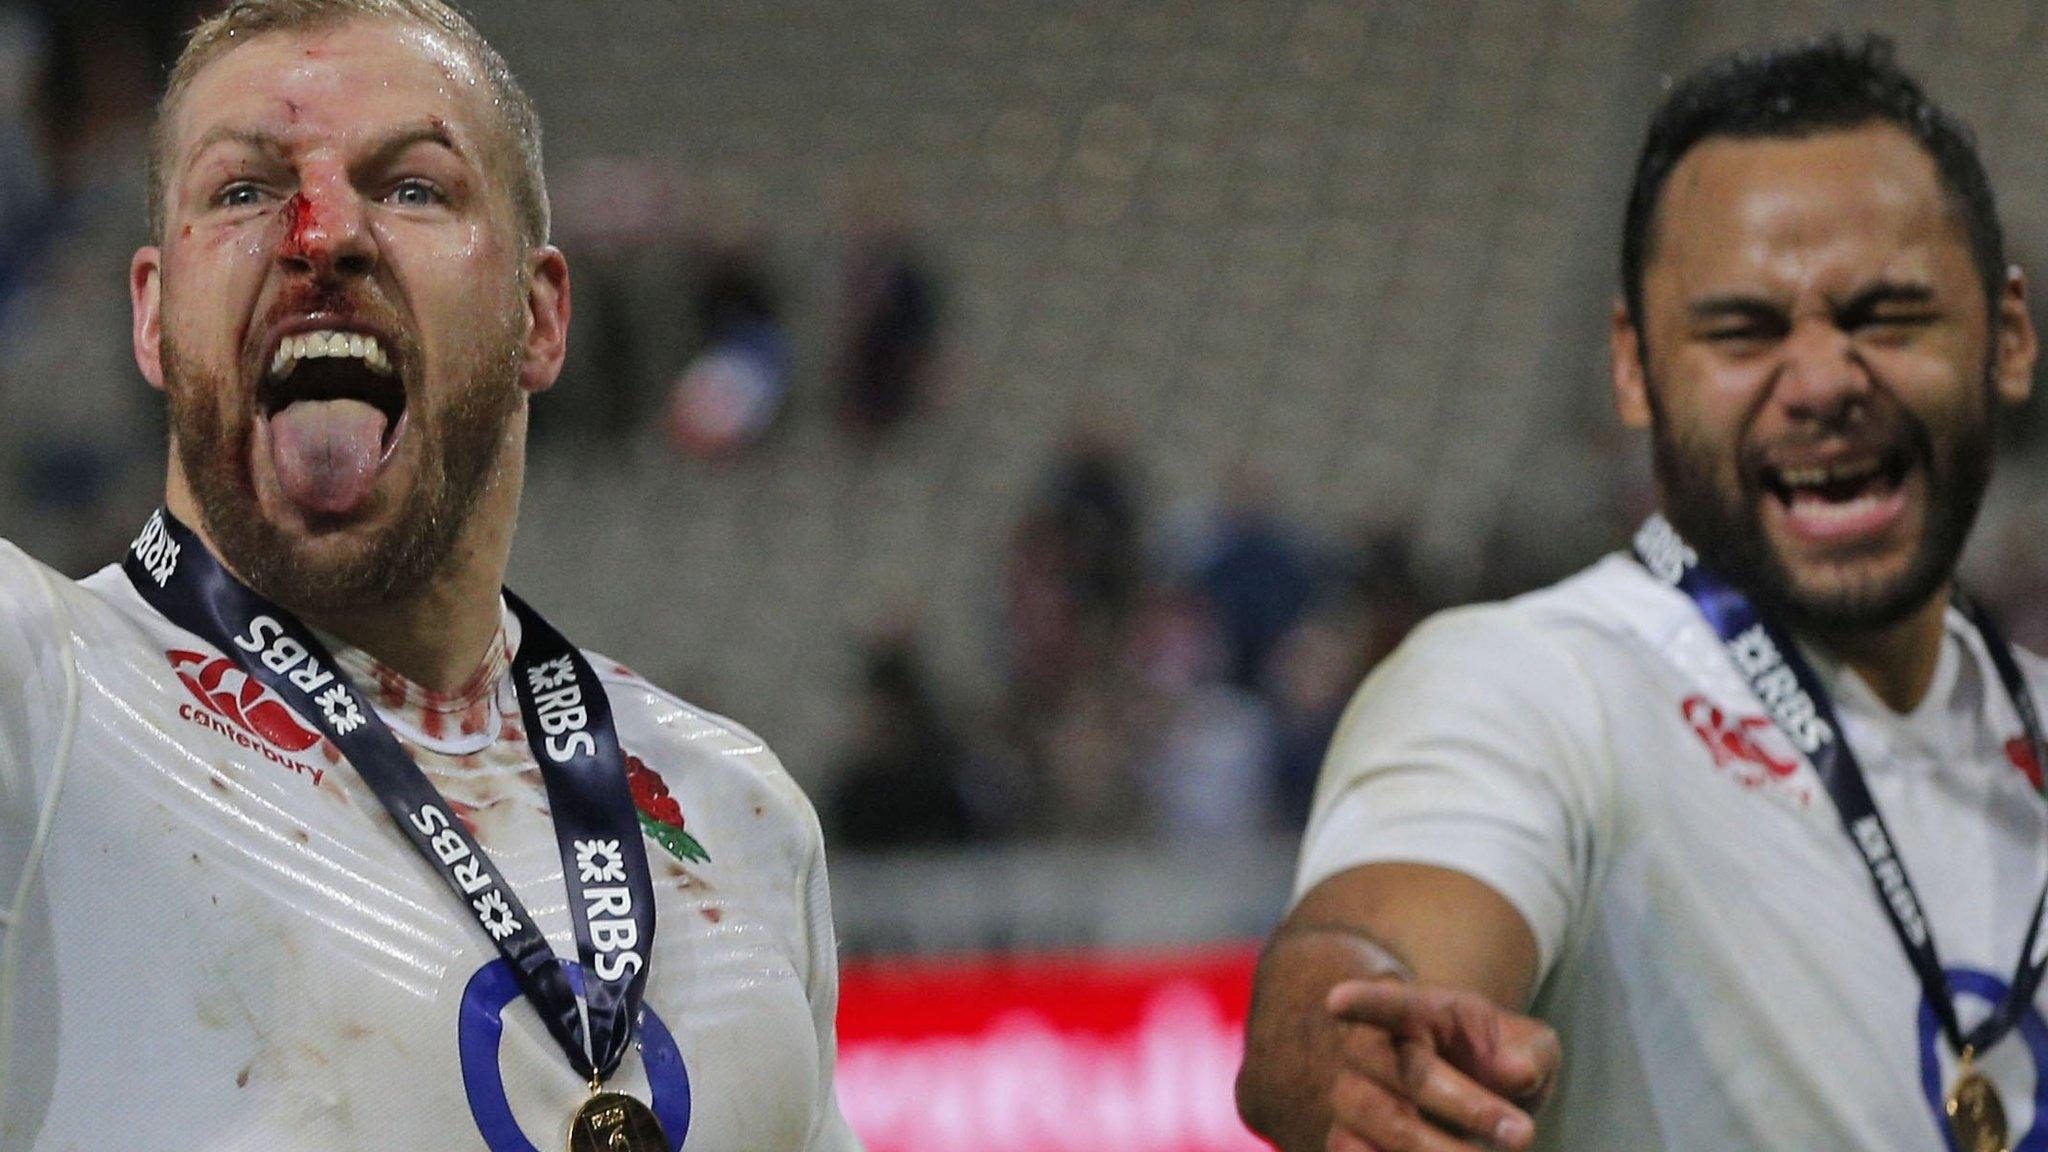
x=1798, y=704
x=569, y=726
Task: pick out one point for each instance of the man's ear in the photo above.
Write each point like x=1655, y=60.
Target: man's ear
x=2012, y=325
x=547, y=319
x=145, y=306
x=1625, y=364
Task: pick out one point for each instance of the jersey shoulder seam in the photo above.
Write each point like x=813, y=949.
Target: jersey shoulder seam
x=726, y=724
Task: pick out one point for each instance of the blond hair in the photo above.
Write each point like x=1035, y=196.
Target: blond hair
x=518, y=147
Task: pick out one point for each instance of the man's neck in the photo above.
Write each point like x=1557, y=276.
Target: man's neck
x=438, y=637
x=437, y=640
x=1897, y=663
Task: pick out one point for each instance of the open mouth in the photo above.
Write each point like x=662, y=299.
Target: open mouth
x=329, y=367
x=335, y=408
x=1844, y=496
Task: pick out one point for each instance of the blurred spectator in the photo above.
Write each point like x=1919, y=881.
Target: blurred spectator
x=1207, y=763
x=902, y=784
x=889, y=344
x=626, y=222
x=25, y=176
x=1043, y=615
x=1084, y=747
x=1310, y=678
x=608, y=401
x=1073, y=578
x=730, y=393
x=87, y=451
x=1073, y=572
x=1210, y=776
x=1381, y=583
x=1091, y=498
x=1257, y=571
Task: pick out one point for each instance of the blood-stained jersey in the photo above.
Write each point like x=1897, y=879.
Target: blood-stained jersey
x=215, y=938
x=1713, y=953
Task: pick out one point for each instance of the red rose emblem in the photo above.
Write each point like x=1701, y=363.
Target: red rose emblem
x=660, y=816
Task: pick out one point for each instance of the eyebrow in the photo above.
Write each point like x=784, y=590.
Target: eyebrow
x=432, y=131
x=1882, y=293
x=424, y=132
x=228, y=134
x=1733, y=306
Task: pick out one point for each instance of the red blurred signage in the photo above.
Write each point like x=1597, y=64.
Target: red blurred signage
x=1046, y=1054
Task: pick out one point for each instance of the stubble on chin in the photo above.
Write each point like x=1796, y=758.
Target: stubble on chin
x=1722, y=519
x=348, y=568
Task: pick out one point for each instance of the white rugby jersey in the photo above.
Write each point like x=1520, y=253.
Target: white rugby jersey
x=1713, y=953
x=224, y=943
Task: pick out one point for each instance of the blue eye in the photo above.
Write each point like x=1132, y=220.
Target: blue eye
x=414, y=193
x=240, y=195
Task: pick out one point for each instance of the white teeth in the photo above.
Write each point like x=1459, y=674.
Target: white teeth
x=1836, y=473
x=326, y=343
x=1833, y=512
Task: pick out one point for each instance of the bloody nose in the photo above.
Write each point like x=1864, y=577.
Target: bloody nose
x=323, y=239
x=299, y=224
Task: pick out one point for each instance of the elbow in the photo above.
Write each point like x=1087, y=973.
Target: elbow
x=1250, y=1105
x=1255, y=1099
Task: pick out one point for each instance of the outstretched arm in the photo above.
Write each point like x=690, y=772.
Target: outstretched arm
x=1442, y=868
x=1383, y=1018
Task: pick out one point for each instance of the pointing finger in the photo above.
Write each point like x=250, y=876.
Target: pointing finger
x=1447, y=1095
x=1503, y=1051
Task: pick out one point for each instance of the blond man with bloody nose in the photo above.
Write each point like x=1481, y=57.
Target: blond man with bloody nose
x=312, y=834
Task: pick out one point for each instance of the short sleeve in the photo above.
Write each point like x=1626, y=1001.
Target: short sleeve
x=1472, y=748
x=829, y=1130
x=37, y=682
x=35, y=674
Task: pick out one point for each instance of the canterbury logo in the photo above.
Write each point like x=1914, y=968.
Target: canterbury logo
x=228, y=691
x=1734, y=740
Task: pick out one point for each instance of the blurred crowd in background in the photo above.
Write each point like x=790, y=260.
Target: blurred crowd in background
x=1178, y=678
x=1158, y=665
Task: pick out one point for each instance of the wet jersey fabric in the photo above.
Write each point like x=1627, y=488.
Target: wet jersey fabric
x=215, y=936
x=1712, y=949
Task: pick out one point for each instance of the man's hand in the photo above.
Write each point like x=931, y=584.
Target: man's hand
x=1431, y=1069
x=1377, y=1019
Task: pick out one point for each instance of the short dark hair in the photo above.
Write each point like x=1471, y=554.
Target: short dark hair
x=1799, y=90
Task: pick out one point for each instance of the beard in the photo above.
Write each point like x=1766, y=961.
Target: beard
x=1722, y=520
x=459, y=442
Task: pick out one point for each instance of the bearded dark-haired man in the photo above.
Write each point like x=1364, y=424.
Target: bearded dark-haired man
x=1736, y=841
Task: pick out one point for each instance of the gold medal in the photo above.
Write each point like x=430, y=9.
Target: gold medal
x=1975, y=1113
x=615, y=1122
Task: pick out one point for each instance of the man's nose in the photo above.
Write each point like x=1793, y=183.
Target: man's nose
x=1823, y=378
x=326, y=234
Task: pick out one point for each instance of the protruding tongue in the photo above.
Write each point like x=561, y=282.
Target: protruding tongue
x=327, y=453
